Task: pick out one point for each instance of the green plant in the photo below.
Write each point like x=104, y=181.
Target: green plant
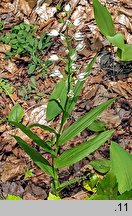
x=62, y=101
x=13, y=197
x=117, y=182
x=7, y=88
x=28, y=173
x=1, y=25
x=16, y=114
x=106, y=26
x=30, y=90
x=23, y=42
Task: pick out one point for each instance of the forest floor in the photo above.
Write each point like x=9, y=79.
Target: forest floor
x=99, y=86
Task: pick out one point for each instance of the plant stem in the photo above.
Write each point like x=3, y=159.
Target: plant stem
x=63, y=119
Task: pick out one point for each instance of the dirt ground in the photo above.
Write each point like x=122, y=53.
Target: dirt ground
x=101, y=85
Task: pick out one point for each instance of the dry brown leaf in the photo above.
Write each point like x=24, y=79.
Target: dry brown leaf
x=45, y=12
x=81, y=195
x=23, y=6
x=122, y=88
x=4, y=48
x=12, y=168
x=112, y=120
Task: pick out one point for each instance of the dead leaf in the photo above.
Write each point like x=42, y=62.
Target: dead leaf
x=111, y=120
x=23, y=6
x=4, y=48
x=38, y=115
x=122, y=88
x=81, y=195
x=45, y=12
x=12, y=168
x=12, y=188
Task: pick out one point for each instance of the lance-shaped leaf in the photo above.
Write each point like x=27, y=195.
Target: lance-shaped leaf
x=34, y=137
x=78, y=88
x=103, y=19
x=59, y=94
x=67, y=183
x=121, y=162
x=77, y=153
x=37, y=158
x=83, y=122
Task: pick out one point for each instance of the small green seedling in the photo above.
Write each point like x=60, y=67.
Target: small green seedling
x=23, y=42
x=6, y=86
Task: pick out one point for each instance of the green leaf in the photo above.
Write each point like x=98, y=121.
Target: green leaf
x=125, y=196
x=127, y=52
x=121, y=162
x=53, y=197
x=108, y=186
x=81, y=151
x=97, y=126
x=101, y=166
x=59, y=94
x=117, y=40
x=31, y=68
x=83, y=122
x=67, y=183
x=13, y=197
x=40, y=45
x=90, y=185
x=34, y=137
x=28, y=173
x=16, y=114
x=98, y=197
x=37, y=158
x=78, y=88
x=103, y=19
x=119, y=53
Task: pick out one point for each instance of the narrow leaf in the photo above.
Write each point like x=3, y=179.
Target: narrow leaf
x=37, y=158
x=103, y=19
x=83, y=122
x=59, y=94
x=77, y=153
x=122, y=167
x=16, y=114
x=34, y=137
x=67, y=183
